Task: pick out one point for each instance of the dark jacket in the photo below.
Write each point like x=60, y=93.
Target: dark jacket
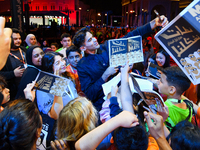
x=8, y=73
x=92, y=66
x=29, y=74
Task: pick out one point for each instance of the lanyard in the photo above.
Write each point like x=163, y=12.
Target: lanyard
x=175, y=100
x=18, y=57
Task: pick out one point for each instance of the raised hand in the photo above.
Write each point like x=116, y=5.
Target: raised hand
x=29, y=92
x=114, y=91
x=156, y=22
x=163, y=111
x=155, y=126
x=109, y=71
x=5, y=40
x=58, y=145
x=127, y=119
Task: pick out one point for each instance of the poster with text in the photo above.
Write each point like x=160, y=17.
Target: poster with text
x=125, y=49
x=181, y=39
x=53, y=84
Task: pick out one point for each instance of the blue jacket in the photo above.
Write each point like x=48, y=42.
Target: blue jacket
x=92, y=66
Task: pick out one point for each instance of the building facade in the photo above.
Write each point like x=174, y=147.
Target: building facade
x=62, y=7
x=58, y=10
x=138, y=12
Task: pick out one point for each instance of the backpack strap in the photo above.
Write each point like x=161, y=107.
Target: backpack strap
x=171, y=124
x=190, y=106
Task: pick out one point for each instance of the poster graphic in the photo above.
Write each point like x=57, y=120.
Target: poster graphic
x=124, y=49
x=53, y=84
x=181, y=39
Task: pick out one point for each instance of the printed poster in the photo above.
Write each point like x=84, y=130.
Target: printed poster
x=181, y=39
x=135, y=50
x=124, y=49
x=53, y=84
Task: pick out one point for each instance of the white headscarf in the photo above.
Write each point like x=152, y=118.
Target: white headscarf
x=28, y=39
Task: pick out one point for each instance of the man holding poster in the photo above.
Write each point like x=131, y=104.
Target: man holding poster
x=93, y=68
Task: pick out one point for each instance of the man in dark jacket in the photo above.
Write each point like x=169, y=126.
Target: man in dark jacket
x=15, y=65
x=93, y=69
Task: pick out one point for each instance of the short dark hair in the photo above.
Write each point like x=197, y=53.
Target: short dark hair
x=176, y=77
x=185, y=136
x=79, y=37
x=19, y=122
x=65, y=35
x=134, y=138
x=55, y=44
x=72, y=48
x=48, y=61
x=14, y=30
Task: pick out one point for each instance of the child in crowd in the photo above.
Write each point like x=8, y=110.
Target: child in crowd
x=133, y=137
x=44, y=45
x=66, y=42
x=173, y=83
x=184, y=136
x=20, y=125
x=54, y=46
x=125, y=119
x=52, y=62
x=76, y=119
x=73, y=57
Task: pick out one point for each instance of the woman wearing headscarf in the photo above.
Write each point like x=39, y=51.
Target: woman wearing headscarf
x=30, y=40
x=34, y=56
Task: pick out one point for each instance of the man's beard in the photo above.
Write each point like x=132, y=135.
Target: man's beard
x=15, y=47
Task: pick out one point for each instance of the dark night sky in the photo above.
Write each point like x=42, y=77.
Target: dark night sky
x=105, y=5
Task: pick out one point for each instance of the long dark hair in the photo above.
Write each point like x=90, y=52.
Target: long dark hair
x=167, y=58
x=48, y=61
x=19, y=122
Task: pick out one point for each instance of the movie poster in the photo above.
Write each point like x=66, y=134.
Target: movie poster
x=53, y=84
x=181, y=39
x=125, y=49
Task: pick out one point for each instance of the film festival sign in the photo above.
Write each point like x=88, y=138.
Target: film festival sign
x=181, y=39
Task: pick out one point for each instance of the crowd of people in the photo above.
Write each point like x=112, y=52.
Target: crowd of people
x=82, y=118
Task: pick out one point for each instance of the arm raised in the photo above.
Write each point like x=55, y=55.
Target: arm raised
x=92, y=139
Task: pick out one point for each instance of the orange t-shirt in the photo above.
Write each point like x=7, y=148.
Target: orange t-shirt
x=152, y=145
x=74, y=74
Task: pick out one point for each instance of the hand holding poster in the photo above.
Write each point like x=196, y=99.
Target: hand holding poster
x=181, y=39
x=54, y=84
x=153, y=70
x=125, y=49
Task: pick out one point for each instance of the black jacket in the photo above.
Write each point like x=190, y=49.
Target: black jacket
x=92, y=66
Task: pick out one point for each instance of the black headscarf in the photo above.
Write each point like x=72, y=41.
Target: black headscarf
x=29, y=74
x=29, y=56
